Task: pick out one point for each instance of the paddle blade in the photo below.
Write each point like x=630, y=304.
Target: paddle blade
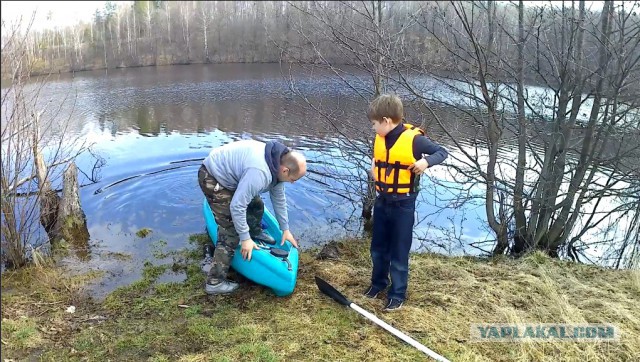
x=327, y=289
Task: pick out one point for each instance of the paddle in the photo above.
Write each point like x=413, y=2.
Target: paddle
x=327, y=289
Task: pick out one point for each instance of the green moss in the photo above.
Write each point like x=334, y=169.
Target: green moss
x=143, y=233
x=21, y=332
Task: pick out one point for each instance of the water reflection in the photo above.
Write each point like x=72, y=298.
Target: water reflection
x=153, y=126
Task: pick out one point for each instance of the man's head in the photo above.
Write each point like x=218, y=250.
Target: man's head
x=385, y=113
x=293, y=166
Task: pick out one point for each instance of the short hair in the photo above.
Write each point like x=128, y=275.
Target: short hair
x=289, y=161
x=386, y=105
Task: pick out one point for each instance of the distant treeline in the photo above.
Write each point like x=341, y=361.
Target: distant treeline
x=166, y=32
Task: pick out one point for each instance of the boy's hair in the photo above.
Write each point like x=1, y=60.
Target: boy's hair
x=386, y=105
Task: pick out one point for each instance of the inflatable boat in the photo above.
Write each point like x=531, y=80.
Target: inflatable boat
x=274, y=266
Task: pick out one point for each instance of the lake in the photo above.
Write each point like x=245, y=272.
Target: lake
x=152, y=126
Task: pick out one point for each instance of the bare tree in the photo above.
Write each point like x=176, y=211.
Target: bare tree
x=186, y=32
x=168, y=14
x=330, y=35
x=128, y=32
x=36, y=151
x=547, y=208
x=205, y=16
x=569, y=161
x=77, y=39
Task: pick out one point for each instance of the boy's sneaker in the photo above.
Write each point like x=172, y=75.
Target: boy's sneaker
x=371, y=292
x=392, y=305
x=223, y=287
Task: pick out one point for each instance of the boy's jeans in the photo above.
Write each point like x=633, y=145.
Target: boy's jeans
x=392, y=236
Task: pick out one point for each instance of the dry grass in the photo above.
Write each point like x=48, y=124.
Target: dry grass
x=148, y=320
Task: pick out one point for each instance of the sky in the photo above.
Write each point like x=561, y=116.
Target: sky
x=64, y=13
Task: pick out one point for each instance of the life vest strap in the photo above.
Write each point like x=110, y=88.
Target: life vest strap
x=384, y=164
x=386, y=186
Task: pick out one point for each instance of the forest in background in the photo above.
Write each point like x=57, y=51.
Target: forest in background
x=147, y=33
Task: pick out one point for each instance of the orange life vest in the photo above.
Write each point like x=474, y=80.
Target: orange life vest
x=392, y=167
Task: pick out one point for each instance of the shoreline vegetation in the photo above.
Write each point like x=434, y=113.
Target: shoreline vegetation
x=48, y=315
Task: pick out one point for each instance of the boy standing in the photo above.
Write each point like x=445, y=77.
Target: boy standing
x=401, y=153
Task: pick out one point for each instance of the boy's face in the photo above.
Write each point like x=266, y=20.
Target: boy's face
x=382, y=127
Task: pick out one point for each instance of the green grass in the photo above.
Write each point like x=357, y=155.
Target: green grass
x=151, y=321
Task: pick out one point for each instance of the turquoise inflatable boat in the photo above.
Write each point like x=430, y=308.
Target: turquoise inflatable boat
x=274, y=266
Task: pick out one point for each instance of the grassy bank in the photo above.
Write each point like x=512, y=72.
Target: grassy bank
x=177, y=321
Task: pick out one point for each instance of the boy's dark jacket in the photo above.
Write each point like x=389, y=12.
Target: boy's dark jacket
x=422, y=145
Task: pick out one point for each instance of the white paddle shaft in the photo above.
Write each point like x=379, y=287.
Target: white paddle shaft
x=398, y=334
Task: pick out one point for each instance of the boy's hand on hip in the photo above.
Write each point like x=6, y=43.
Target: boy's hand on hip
x=286, y=235
x=247, y=248
x=419, y=166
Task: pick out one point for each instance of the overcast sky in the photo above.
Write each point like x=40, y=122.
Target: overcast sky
x=63, y=13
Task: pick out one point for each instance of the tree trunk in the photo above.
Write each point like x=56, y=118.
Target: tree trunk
x=49, y=200
x=520, y=242
x=61, y=218
x=377, y=10
x=367, y=204
x=72, y=224
x=205, y=22
x=118, y=38
x=104, y=46
x=168, y=22
x=370, y=193
x=494, y=131
x=185, y=31
x=64, y=43
x=560, y=224
x=149, y=19
x=135, y=34
x=129, y=36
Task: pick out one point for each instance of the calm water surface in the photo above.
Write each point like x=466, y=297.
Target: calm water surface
x=152, y=126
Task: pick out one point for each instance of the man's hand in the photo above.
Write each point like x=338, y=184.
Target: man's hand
x=286, y=235
x=247, y=248
x=419, y=167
